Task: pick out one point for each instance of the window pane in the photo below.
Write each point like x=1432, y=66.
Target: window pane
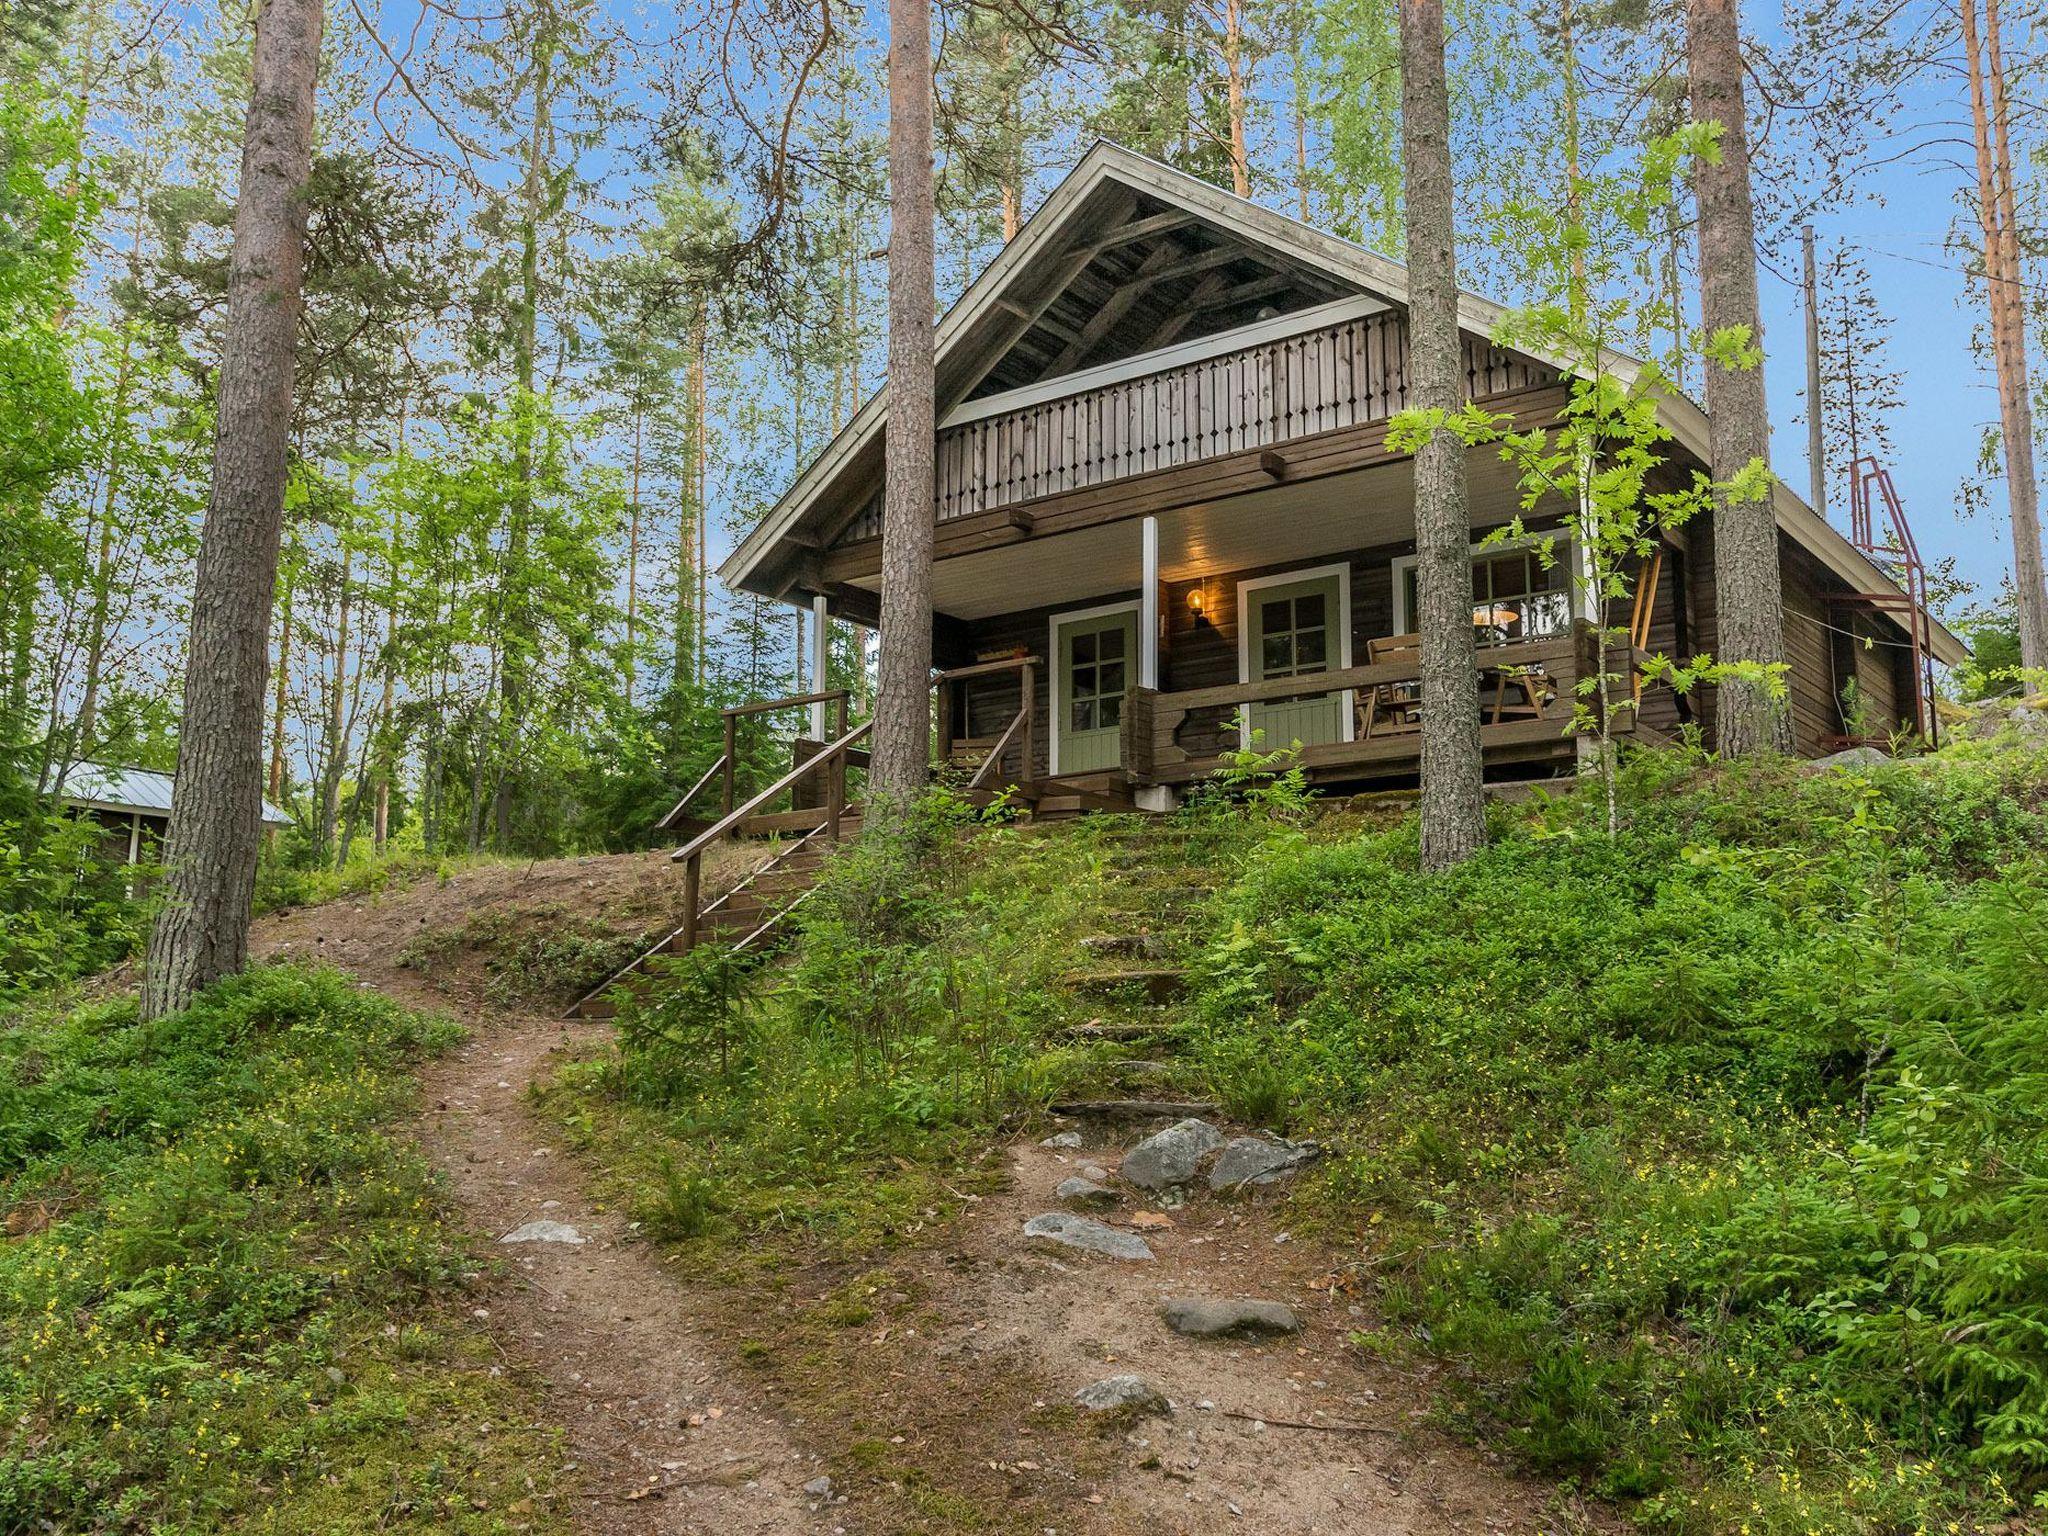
x=1084, y=647
x=1275, y=616
x=1110, y=678
x=1308, y=648
x=1308, y=610
x=1112, y=711
x=1276, y=656
x=1111, y=642
x=1084, y=714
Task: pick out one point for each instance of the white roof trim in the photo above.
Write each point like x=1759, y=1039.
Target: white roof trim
x=1366, y=269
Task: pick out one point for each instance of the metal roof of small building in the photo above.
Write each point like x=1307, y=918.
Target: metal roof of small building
x=107, y=787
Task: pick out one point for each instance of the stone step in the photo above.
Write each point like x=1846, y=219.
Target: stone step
x=1122, y=1030
x=1134, y=1109
x=1142, y=946
x=1161, y=984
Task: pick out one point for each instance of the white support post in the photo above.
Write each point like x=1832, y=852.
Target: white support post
x=1150, y=797
x=821, y=663
x=1148, y=605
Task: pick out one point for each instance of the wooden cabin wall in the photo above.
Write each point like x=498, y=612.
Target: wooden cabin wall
x=1205, y=654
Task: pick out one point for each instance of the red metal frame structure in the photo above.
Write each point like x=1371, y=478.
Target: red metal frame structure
x=1878, y=527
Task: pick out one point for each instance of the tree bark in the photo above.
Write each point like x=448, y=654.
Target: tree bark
x=1233, y=64
x=1453, y=804
x=202, y=933
x=1749, y=599
x=2003, y=283
x=902, y=735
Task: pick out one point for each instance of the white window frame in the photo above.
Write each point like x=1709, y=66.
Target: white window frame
x=1053, y=668
x=1564, y=550
x=1342, y=571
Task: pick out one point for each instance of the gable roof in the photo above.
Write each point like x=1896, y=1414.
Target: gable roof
x=1054, y=244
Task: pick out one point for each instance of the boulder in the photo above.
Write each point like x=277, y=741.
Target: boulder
x=1133, y=1392
x=1071, y=1231
x=1080, y=1191
x=1172, y=1156
x=544, y=1232
x=1851, y=758
x=1260, y=1160
x=1063, y=1141
x=1203, y=1318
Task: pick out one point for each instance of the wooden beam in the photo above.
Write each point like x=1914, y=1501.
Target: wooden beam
x=1245, y=293
x=1273, y=463
x=1145, y=229
x=1112, y=311
x=1184, y=315
x=1203, y=261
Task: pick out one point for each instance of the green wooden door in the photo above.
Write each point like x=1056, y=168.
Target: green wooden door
x=1096, y=659
x=1295, y=631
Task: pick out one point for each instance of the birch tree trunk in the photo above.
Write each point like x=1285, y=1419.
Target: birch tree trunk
x=2004, y=285
x=1453, y=805
x=216, y=819
x=1749, y=600
x=902, y=735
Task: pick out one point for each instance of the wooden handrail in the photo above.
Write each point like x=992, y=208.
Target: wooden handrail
x=995, y=753
x=824, y=696
x=984, y=669
x=725, y=823
x=692, y=793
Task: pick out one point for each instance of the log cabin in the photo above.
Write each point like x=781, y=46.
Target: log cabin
x=1169, y=524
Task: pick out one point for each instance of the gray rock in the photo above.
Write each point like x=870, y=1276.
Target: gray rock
x=1122, y=1392
x=1063, y=1141
x=1172, y=1156
x=1260, y=1160
x=819, y=1488
x=1093, y=1171
x=1082, y=1191
x=1203, y=1318
x=544, y=1232
x=1071, y=1231
x=1852, y=758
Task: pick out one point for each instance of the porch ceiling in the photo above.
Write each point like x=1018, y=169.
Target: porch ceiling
x=1359, y=509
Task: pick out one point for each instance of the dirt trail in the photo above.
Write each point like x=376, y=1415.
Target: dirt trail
x=671, y=1432
x=665, y=1440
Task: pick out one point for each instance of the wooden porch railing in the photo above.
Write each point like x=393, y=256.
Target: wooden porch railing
x=1336, y=374
x=1153, y=753
x=1023, y=725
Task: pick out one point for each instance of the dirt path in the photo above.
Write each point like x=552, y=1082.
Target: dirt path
x=685, y=1403
x=664, y=1438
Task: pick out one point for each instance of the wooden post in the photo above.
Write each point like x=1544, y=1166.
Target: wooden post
x=945, y=731
x=821, y=662
x=835, y=794
x=731, y=737
x=1027, y=774
x=1148, y=603
x=693, y=885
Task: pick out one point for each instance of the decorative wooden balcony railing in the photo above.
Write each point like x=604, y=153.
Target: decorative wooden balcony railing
x=1340, y=374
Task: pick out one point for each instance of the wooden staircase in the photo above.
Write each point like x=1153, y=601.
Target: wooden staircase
x=750, y=915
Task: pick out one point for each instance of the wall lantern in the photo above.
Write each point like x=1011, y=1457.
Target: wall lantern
x=1198, y=603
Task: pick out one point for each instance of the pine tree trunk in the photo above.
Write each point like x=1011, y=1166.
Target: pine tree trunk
x=902, y=735
x=1749, y=599
x=216, y=823
x=1453, y=805
x=1233, y=65
x=2004, y=280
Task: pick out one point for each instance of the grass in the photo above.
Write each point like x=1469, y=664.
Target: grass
x=230, y=1300
x=1707, y=1157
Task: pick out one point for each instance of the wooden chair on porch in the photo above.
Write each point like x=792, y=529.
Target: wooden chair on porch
x=1391, y=709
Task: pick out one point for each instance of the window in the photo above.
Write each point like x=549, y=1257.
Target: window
x=1294, y=635
x=1515, y=596
x=1096, y=680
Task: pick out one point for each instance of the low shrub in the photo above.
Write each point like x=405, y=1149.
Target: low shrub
x=229, y=1295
